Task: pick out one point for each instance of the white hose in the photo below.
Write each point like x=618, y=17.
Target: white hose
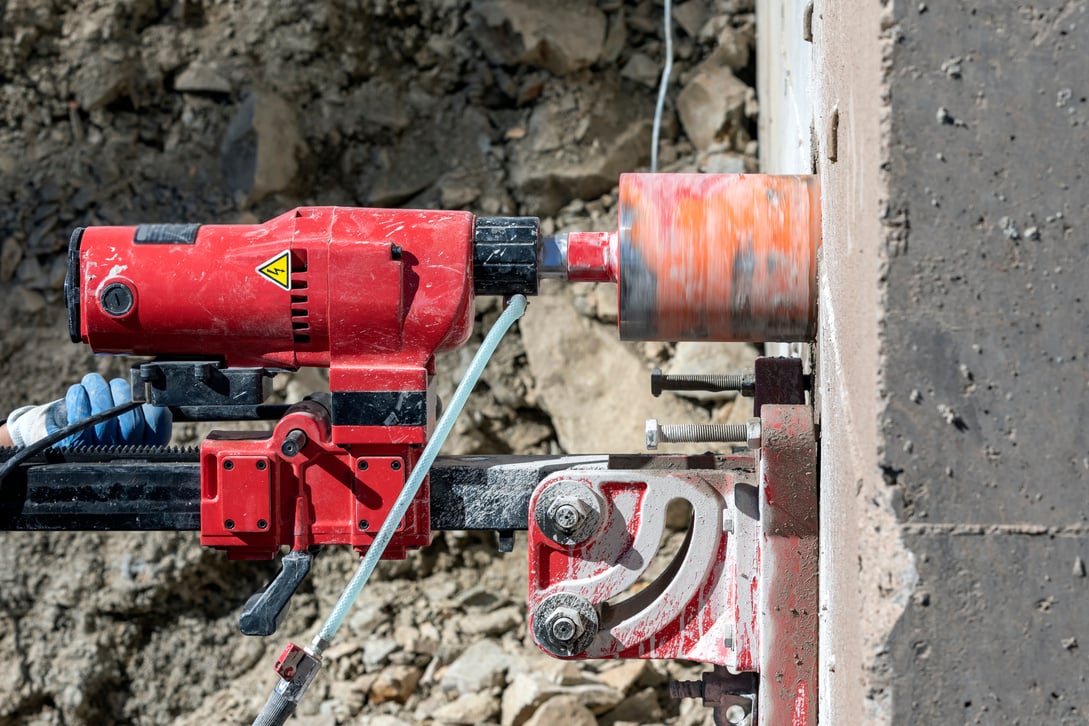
x=515, y=308
x=667, y=69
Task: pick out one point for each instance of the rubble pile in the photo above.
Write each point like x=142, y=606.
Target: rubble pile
x=127, y=111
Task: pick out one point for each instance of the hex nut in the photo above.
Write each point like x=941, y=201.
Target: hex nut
x=564, y=624
x=567, y=511
x=652, y=433
x=753, y=433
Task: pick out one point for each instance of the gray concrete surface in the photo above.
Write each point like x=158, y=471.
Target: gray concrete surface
x=986, y=359
x=952, y=362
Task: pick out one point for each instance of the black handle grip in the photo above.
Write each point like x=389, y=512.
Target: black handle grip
x=265, y=609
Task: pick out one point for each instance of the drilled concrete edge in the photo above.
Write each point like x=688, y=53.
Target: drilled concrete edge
x=868, y=572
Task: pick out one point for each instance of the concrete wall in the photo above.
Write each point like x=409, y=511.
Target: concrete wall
x=953, y=358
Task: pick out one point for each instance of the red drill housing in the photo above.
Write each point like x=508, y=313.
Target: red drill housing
x=372, y=294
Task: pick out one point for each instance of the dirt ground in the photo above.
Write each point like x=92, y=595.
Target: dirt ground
x=233, y=111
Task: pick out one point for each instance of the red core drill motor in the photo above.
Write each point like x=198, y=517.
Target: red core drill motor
x=373, y=295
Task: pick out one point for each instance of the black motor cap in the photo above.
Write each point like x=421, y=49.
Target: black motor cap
x=505, y=255
x=71, y=285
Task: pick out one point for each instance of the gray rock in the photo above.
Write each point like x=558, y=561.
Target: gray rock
x=481, y=598
x=724, y=162
x=712, y=105
x=691, y=16
x=262, y=148
x=386, y=721
x=616, y=38
x=202, y=78
x=610, y=377
x=103, y=78
x=641, y=69
x=561, y=36
x=382, y=104
x=494, y=623
x=424, y=154
x=482, y=666
x=607, y=307
x=733, y=47
x=11, y=254
x=626, y=674
x=317, y=719
x=376, y=651
x=368, y=615
x=472, y=708
x=395, y=683
x=561, y=160
x=565, y=710
x=641, y=708
x=527, y=691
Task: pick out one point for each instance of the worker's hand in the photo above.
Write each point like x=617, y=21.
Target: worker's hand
x=144, y=425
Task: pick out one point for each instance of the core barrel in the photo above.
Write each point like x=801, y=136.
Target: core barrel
x=723, y=257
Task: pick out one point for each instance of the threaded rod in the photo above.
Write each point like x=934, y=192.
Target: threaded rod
x=743, y=382
x=686, y=689
x=699, y=433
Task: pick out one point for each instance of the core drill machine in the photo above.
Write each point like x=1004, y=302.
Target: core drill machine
x=373, y=295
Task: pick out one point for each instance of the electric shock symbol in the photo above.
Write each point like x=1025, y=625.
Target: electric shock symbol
x=277, y=269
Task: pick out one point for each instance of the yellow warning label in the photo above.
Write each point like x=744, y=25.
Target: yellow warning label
x=277, y=269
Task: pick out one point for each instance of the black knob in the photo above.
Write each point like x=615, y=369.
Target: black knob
x=117, y=299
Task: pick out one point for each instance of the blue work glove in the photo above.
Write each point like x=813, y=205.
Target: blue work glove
x=144, y=425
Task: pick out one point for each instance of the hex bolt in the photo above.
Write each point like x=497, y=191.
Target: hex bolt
x=743, y=382
x=568, y=513
x=567, y=517
x=753, y=433
x=735, y=715
x=693, y=433
x=565, y=624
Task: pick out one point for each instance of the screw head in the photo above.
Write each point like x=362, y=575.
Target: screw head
x=565, y=624
x=567, y=516
x=656, y=382
x=364, y=525
x=652, y=433
x=229, y=523
x=395, y=465
x=564, y=629
x=362, y=465
x=228, y=464
x=262, y=524
x=262, y=465
x=735, y=715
